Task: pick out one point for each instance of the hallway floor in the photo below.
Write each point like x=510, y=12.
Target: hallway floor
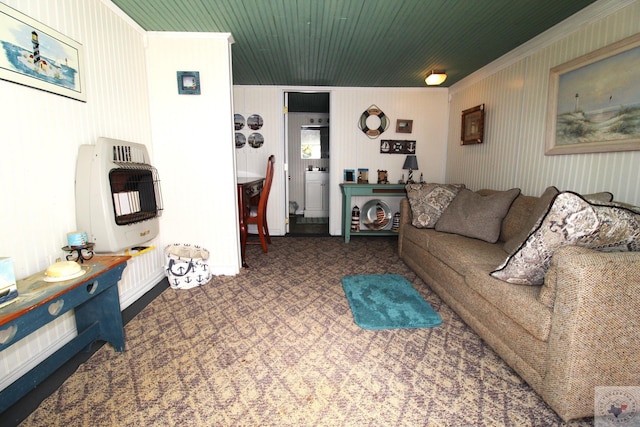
x=307, y=229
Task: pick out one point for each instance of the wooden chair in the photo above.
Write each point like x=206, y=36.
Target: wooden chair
x=258, y=214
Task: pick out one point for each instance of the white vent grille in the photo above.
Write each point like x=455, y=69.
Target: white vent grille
x=129, y=154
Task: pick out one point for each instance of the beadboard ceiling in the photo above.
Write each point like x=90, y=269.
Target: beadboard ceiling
x=357, y=43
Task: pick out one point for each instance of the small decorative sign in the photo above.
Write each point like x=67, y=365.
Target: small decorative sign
x=388, y=146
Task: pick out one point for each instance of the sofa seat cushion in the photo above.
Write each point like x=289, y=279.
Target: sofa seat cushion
x=463, y=253
x=473, y=215
x=419, y=236
x=519, y=303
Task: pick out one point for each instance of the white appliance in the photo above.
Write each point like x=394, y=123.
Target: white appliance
x=118, y=198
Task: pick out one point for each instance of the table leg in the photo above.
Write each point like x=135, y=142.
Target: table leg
x=103, y=310
x=243, y=226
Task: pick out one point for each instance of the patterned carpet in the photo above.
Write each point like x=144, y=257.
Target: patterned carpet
x=277, y=346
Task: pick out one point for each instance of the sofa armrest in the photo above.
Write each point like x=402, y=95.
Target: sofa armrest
x=595, y=330
x=405, y=212
x=405, y=222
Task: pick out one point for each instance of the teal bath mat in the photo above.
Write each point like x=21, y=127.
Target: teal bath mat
x=387, y=301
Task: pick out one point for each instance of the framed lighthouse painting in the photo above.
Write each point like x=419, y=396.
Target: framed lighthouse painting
x=594, y=101
x=35, y=55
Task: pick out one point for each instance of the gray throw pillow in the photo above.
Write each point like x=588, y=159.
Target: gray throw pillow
x=473, y=215
x=428, y=201
x=539, y=209
x=603, y=196
x=571, y=220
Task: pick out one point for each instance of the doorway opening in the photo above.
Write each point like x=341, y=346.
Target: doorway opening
x=308, y=149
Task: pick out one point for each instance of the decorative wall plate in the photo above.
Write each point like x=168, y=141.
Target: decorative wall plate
x=241, y=140
x=256, y=140
x=238, y=121
x=254, y=121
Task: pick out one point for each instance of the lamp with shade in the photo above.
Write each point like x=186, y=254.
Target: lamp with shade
x=436, y=78
x=411, y=163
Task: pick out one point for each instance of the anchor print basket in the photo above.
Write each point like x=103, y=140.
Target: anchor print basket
x=186, y=266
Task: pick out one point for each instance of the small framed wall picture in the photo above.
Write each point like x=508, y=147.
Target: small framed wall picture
x=363, y=176
x=189, y=82
x=404, y=126
x=472, y=131
x=349, y=175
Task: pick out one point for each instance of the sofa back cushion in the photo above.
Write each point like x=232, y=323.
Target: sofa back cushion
x=516, y=227
x=517, y=216
x=473, y=215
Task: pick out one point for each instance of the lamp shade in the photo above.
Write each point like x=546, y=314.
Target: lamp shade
x=411, y=162
x=435, y=78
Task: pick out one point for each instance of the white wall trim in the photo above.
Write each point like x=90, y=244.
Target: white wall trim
x=142, y=287
x=590, y=14
x=186, y=35
x=115, y=9
x=334, y=88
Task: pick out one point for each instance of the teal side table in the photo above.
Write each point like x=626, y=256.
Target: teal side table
x=375, y=191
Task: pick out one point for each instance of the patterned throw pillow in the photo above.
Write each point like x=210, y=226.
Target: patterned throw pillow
x=428, y=201
x=571, y=220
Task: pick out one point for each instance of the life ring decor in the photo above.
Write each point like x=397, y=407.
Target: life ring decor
x=383, y=122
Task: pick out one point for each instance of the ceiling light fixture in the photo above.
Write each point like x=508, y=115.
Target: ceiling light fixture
x=436, y=78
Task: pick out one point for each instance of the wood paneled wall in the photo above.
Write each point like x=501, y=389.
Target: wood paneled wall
x=350, y=147
x=515, y=94
x=40, y=135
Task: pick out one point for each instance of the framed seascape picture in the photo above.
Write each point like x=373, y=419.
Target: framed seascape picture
x=35, y=55
x=594, y=101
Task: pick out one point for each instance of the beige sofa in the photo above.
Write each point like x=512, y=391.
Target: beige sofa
x=578, y=330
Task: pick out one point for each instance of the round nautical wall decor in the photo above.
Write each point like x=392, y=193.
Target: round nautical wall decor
x=373, y=122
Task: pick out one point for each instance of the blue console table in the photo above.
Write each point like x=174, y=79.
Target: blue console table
x=96, y=303
x=375, y=191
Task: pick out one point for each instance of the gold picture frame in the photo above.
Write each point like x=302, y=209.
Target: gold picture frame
x=594, y=101
x=472, y=129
